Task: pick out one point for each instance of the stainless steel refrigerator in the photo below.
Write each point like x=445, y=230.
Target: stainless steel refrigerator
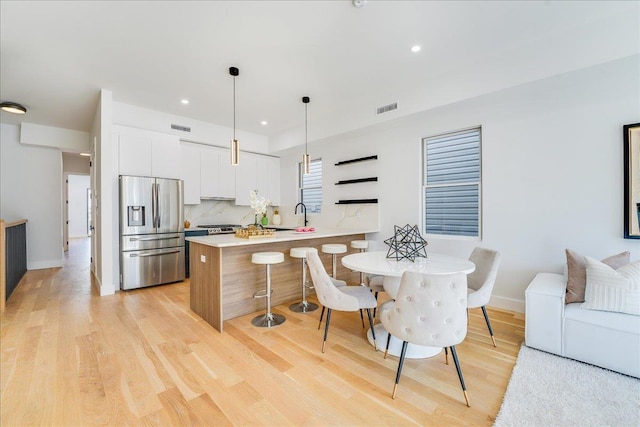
x=151, y=231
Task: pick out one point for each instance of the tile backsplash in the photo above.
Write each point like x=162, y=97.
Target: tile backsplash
x=363, y=216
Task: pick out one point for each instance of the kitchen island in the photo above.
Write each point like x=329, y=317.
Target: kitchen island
x=223, y=279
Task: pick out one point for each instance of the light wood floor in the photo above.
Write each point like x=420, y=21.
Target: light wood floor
x=70, y=357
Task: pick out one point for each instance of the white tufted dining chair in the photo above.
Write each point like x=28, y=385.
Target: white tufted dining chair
x=343, y=298
x=376, y=282
x=429, y=310
x=480, y=282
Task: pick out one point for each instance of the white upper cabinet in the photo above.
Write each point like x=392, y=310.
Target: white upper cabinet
x=273, y=179
x=147, y=153
x=134, y=156
x=165, y=156
x=217, y=176
x=191, y=172
x=257, y=172
x=227, y=174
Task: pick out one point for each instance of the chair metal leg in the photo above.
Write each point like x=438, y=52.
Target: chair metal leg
x=326, y=329
x=373, y=331
x=375, y=295
x=362, y=318
x=455, y=360
x=446, y=356
x=400, y=363
x=321, y=316
x=386, y=349
x=486, y=318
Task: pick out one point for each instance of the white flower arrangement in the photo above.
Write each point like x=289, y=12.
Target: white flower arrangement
x=258, y=204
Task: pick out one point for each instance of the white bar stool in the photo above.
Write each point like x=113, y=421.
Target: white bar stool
x=334, y=249
x=362, y=246
x=268, y=319
x=304, y=306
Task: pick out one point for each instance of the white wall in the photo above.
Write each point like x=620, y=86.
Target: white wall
x=31, y=188
x=77, y=197
x=47, y=136
x=552, y=170
x=202, y=132
x=75, y=163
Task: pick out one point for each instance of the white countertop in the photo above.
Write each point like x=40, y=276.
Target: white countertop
x=229, y=240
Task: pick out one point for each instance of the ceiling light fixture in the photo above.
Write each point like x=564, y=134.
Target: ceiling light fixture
x=415, y=48
x=13, y=107
x=264, y=123
x=185, y=101
x=306, y=161
x=234, y=147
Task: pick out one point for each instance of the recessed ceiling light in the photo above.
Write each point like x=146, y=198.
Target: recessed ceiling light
x=264, y=123
x=415, y=48
x=185, y=101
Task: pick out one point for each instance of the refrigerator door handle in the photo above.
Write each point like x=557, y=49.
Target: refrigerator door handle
x=153, y=205
x=150, y=239
x=158, y=254
x=157, y=206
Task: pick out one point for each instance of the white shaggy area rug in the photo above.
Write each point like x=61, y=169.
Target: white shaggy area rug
x=548, y=390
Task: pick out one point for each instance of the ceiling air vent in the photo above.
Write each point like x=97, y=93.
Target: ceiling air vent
x=182, y=128
x=386, y=108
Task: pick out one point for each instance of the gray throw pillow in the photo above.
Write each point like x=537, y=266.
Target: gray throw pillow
x=577, y=272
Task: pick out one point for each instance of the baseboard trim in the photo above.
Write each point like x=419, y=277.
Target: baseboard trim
x=507, y=304
x=41, y=265
x=102, y=290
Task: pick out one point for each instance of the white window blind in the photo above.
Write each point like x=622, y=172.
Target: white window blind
x=311, y=186
x=452, y=183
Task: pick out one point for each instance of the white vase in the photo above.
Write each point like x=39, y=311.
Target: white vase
x=276, y=220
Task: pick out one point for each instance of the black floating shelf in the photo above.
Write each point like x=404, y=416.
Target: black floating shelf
x=355, y=181
x=355, y=201
x=361, y=159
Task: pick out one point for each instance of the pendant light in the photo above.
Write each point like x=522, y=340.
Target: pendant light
x=306, y=162
x=235, y=146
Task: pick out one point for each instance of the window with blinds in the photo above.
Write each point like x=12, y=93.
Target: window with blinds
x=310, y=186
x=452, y=183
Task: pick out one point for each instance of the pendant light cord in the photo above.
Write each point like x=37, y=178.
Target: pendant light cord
x=306, y=151
x=234, y=107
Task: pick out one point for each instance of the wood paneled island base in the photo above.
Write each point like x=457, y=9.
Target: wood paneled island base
x=222, y=286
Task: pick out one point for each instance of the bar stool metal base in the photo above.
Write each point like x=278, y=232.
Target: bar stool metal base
x=268, y=320
x=303, y=307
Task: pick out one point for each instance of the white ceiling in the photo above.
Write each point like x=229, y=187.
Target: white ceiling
x=55, y=56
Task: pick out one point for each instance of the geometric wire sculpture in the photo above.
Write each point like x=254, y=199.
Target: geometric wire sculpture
x=406, y=243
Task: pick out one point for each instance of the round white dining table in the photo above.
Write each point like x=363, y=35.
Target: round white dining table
x=377, y=263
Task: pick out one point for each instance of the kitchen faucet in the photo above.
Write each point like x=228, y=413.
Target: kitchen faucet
x=303, y=209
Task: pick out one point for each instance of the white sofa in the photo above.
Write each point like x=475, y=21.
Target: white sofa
x=602, y=338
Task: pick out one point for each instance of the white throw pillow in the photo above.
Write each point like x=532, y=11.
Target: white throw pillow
x=612, y=290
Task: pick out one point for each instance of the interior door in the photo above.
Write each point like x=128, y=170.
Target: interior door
x=65, y=212
x=94, y=208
